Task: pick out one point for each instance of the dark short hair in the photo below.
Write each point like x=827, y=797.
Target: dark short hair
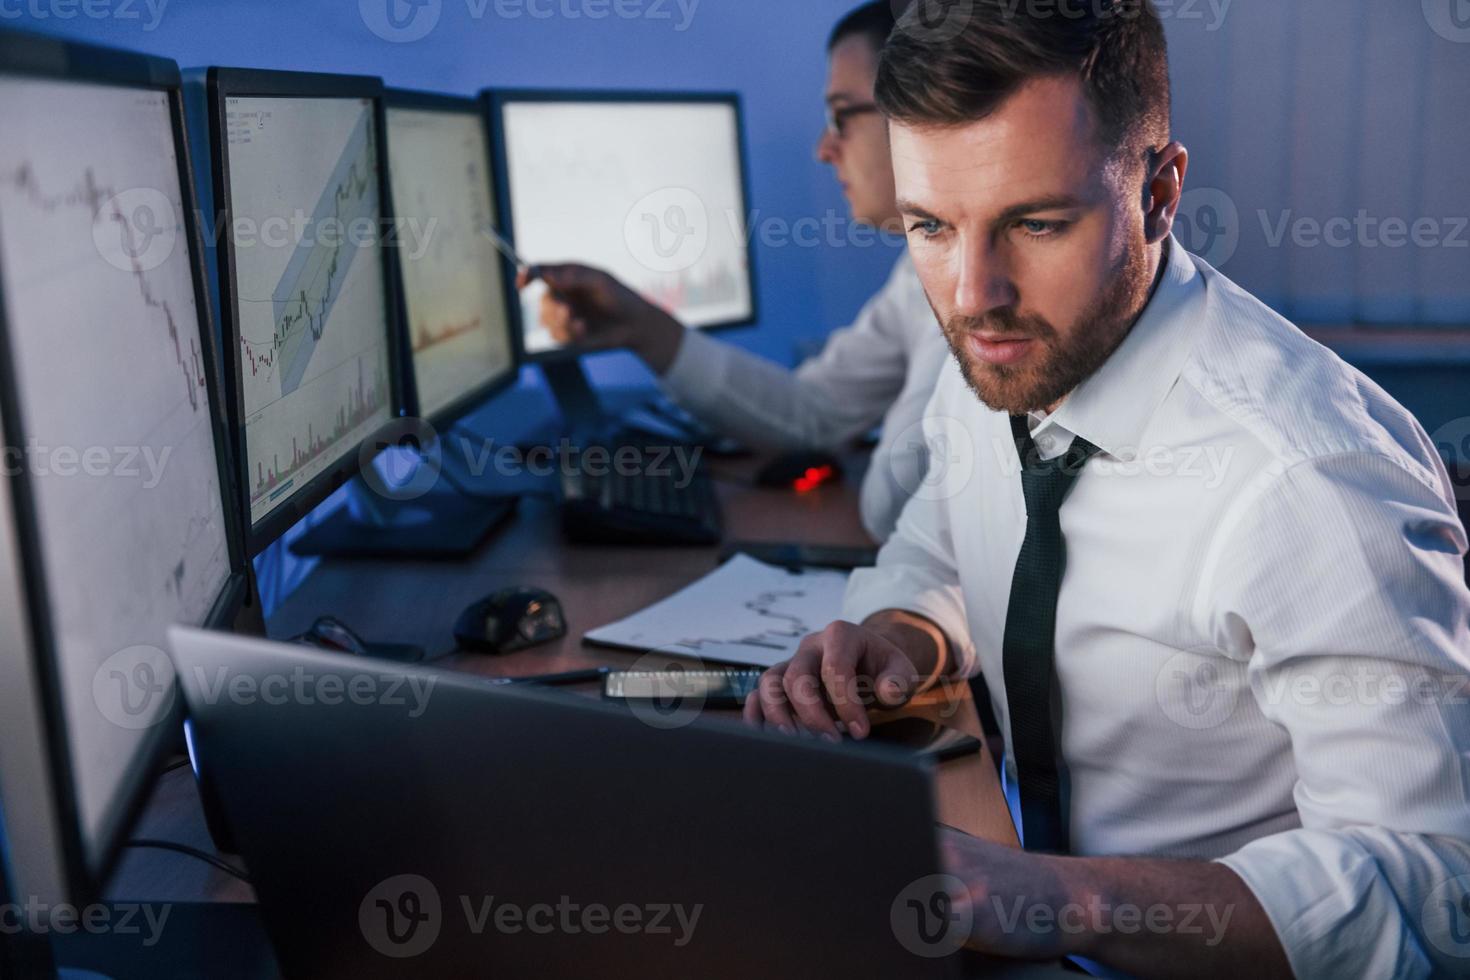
x=951, y=62
x=873, y=21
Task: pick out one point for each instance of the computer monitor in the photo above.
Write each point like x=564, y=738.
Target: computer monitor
x=117, y=514
x=649, y=186
x=456, y=290
x=306, y=286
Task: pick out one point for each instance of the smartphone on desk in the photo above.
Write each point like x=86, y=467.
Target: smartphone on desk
x=922, y=737
x=798, y=556
x=730, y=688
x=712, y=688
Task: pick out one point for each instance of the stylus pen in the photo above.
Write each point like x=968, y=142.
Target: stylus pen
x=569, y=677
x=504, y=247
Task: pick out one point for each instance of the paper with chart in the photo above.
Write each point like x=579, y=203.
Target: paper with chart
x=744, y=612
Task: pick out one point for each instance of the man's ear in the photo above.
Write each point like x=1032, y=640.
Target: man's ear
x=1166, y=170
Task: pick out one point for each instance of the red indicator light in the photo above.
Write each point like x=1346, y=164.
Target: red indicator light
x=813, y=478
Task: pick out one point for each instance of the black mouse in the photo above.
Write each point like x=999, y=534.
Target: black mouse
x=803, y=470
x=509, y=620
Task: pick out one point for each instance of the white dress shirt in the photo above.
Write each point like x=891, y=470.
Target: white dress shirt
x=1263, y=628
x=880, y=369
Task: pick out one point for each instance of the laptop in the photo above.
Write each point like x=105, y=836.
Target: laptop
x=402, y=820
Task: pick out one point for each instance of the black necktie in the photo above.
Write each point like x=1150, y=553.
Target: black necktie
x=1030, y=637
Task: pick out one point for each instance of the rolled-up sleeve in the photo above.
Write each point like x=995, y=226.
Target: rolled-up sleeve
x=917, y=571
x=826, y=403
x=1343, y=583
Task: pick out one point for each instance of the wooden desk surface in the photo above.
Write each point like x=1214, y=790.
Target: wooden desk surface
x=418, y=602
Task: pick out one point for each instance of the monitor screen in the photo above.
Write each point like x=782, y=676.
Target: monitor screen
x=312, y=323
x=112, y=430
x=652, y=191
x=459, y=329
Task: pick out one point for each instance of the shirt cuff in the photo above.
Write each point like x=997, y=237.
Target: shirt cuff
x=1331, y=905
x=872, y=590
x=697, y=375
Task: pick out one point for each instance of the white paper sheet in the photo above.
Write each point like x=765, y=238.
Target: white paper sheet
x=744, y=612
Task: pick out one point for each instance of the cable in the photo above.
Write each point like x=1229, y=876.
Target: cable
x=193, y=852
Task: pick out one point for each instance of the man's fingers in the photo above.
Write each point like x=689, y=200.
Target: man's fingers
x=804, y=692
x=841, y=683
x=803, y=687
x=894, y=678
x=825, y=683
x=752, y=711
x=773, y=708
x=894, y=685
x=556, y=317
x=570, y=280
x=847, y=651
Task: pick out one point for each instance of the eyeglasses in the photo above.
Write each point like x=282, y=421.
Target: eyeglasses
x=837, y=117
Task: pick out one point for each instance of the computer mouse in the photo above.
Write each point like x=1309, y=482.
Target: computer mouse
x=801, y=471
x=509, y=620
x=330, y=633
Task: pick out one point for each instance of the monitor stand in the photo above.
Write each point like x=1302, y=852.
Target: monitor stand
x=586, y=420
x=434, y=525
x=466, y=504
x=583, y=418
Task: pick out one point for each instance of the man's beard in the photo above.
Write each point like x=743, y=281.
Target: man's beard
x=1051, y=373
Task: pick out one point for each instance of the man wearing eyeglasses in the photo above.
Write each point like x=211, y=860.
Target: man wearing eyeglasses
x=881, y=369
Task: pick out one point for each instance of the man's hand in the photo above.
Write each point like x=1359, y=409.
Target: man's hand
x=588, y=308
x=1002, y=883
x=1149, y=917
x=839, y=673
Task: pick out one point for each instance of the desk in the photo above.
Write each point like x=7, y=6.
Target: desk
x=417, y=602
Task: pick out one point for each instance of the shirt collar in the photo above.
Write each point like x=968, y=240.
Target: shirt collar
x=1112, y=407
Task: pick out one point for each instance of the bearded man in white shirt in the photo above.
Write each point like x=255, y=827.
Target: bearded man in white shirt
x=1211, y=574
x=881, y=369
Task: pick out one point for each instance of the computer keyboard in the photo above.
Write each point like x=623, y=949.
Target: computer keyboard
x=649, y=503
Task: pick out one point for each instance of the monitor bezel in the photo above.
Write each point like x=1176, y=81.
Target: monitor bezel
x=496, y=99
x=399, y=98
x=226, y=83
x=82, y=878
